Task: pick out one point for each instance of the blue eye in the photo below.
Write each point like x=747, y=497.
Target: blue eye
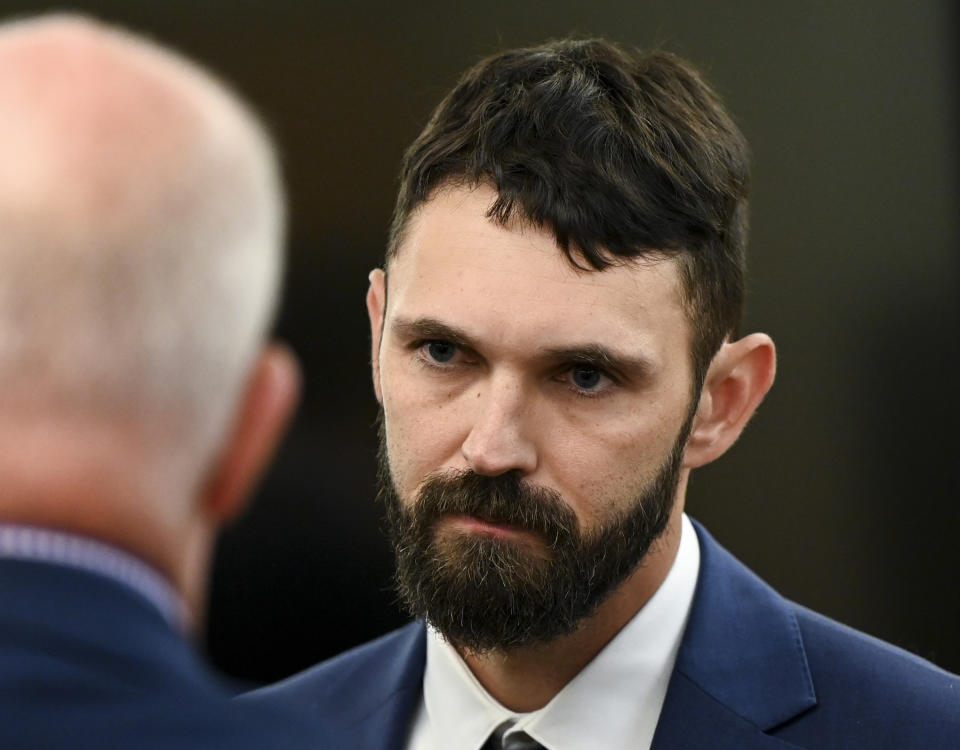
x=586, y=377
x=441, y=351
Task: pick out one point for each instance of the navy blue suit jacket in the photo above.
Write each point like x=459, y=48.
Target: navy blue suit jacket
x=87, y=663
x=754, y=672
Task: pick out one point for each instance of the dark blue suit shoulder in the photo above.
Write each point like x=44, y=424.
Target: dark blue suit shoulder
x=874, y=666
x=866, y=687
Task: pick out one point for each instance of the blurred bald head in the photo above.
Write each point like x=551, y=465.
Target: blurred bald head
x=142, y=223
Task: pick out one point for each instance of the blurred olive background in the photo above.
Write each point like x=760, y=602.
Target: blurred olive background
x=843, y=492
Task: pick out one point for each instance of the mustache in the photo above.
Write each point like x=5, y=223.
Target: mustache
x=504, y=499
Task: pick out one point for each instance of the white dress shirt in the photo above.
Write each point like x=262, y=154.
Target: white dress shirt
x=613, y=703
x=23, y=542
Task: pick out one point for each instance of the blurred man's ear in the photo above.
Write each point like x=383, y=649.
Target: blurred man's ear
x=264, y=413
x=376, y=304
x=738, y=378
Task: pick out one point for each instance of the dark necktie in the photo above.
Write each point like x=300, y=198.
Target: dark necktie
x=516, y=741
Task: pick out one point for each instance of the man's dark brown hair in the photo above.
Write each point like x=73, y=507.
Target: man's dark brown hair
x=621, y=156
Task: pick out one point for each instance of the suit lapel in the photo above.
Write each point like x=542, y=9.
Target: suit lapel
x=742, y=669
x=694, y=719
x=376, y=715
x=387, y=726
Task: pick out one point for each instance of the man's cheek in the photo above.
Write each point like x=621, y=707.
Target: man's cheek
x=410, y=459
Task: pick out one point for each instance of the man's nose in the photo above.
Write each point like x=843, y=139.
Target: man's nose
x=498, y=441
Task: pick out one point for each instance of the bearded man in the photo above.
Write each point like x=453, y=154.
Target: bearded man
x=555, y=348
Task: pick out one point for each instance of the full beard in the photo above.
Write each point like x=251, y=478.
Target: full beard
x=485, y=593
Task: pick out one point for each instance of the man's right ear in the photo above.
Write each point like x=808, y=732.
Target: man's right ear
x=376, y=306
x=265, y=409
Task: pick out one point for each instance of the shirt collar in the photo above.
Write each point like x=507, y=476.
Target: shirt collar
x=614, y=702
x=23, y=542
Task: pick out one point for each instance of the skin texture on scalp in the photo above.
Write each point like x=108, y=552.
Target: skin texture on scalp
x=143, y=221
x=141, y=213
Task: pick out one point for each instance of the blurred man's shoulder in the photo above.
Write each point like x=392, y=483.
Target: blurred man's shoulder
x=89, y=661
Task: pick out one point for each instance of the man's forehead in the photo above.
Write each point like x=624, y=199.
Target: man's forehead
x=513, y=283
x=450, y=239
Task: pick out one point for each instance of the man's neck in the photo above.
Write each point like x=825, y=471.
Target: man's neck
x=527, y=679
x=90, y=483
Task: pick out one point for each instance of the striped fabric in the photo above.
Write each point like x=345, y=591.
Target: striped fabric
x=18, y=542
x=515, y=741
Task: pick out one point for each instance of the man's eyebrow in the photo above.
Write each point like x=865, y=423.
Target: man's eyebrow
x=592, y=355
x=604, y=358
x=430, y=328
